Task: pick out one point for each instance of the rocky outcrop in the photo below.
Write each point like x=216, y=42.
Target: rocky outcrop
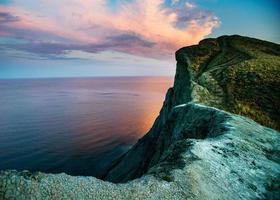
x=197, y=148
x=237, y=74
x=233, y=73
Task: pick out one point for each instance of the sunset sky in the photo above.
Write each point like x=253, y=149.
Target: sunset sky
x=76, y=38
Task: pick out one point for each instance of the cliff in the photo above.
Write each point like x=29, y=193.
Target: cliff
x=237, y=74
x=200, y=146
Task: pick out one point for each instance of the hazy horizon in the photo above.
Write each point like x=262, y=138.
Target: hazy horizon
x=85, y=77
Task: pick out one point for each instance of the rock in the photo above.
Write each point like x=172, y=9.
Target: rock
x=204, y=75
x=198, y=148
x=237, y=74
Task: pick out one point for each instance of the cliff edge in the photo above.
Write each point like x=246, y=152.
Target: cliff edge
x=237, y=74
x=202, y=145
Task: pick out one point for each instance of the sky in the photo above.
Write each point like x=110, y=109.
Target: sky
x=81, y=38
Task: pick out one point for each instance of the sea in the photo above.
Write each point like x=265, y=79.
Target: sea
x=75, y=125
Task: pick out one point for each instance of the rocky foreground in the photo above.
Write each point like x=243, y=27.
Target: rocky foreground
x=198, y=147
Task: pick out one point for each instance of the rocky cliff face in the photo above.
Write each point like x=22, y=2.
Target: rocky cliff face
x=237, y=74
x=198, y=148
x=233, y=73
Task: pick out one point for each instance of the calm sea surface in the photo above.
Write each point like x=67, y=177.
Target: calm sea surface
x=76, y=125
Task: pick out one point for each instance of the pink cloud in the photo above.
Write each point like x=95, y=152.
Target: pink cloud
x=151, y=28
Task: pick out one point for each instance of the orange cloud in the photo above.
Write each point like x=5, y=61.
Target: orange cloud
x=84, y=22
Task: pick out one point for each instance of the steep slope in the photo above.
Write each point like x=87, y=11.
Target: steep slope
x=237, y=74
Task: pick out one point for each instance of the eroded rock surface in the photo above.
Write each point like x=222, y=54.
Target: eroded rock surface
x=210, y=73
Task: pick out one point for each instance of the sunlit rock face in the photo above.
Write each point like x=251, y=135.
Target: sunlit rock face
x=237, y=74
x=198, y=147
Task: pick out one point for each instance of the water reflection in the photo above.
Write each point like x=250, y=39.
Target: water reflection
x=76, y=126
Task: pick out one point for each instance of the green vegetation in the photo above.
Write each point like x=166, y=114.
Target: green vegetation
x=237, y=74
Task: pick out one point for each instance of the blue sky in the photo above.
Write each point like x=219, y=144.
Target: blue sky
x=71, y=38
x=255, y=18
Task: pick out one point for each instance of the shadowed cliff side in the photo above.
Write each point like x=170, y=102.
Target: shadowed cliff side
x=233, y=73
